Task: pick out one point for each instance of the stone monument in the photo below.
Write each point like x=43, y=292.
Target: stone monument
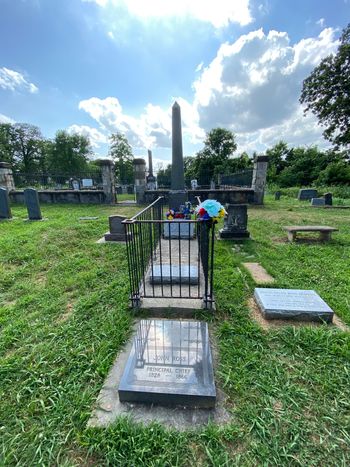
x=235, y=222
x=116, y=229
x=31, y=199
x=318, y=202
x=328, y=199
x=140, y=179
x=6, y=176
x=304, y=305
x=5, y=210
x=170, y=364
x=307, y=194
x=259, y=178
x=151, y=179
x=177, y=194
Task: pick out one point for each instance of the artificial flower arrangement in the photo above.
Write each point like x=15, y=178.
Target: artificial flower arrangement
x=185, y=212
x=210, y=209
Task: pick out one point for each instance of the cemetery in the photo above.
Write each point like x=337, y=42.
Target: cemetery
x=152, y=343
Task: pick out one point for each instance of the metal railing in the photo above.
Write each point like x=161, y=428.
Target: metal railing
x=169, y=259
x=90, y=180
x=242, y=178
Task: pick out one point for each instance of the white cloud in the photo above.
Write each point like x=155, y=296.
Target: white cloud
x=219, y=13
x=253, y=86
x=95, y=136
x=13, y=80
x=321, y=22
x=5, y=119
x=151, y=129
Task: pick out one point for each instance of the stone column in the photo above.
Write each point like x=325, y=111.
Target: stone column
x=140, y=179
x=151, y=180
x=177, y=195
x=108, y=179
x=6, y=177
x=259, y=178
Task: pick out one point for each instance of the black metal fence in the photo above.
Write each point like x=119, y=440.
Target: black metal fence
x=169, y=259
x=242, y=178
x=89, y=180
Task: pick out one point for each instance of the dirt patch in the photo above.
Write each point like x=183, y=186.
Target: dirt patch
x=258, y=273
x=268, y=324
x=67, y=314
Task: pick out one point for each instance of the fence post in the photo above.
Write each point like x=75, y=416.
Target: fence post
x=108, y=179
x=259, y=178
x=6, y=177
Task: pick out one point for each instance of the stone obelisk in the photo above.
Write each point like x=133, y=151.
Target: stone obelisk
x=151, y=180
x=177, y=194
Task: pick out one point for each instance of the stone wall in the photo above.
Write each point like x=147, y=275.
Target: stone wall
x=234, y=196
x=64, y=196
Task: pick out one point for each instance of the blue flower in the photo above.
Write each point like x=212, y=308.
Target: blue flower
x=211, y=206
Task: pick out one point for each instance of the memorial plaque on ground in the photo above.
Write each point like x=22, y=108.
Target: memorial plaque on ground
x=170, y=364
x=304, y=305
x=174, y=274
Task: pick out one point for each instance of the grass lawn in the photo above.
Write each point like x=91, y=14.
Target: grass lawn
x=64, y=316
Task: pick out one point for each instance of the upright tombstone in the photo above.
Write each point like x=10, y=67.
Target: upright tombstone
x=5, y=210
x=116, y=229
x=318, y=202
x=177, y=194
x=307, y=194
x=277, y=195
x=328, y=199
x=235, y=222
x=31, y=199
x=151, y=179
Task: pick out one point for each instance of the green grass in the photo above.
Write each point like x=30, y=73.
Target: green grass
x=125, y=197
x=64, y=316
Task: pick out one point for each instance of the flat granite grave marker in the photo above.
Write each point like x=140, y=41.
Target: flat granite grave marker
x=170, y=364
x=174, y=274
x=31, y=199
x=307, y=194
x=5, y=210
x=304, y=305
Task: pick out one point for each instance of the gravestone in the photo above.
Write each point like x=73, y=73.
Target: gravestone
x=151, y=179
x=170, y=364
x=31, y=200
x=116, y=229
x=277, y=195
x=307, y=194
x=328, y=199
x=317, y=202
x=87, y=183
x=235, y=222
x=304, y=305
x=174, y=274
x=74, y=184
x=5, y=210
x=178, y=228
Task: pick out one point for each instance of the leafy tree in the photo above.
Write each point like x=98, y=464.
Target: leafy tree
x=336, y=173
x=68, y=153
x=121, y=152
x=27, y=150
x=326, y=92
x=6, y=146
x=164, y=176
x=277, y=160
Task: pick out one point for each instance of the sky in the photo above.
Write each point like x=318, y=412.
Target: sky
x=97, y=67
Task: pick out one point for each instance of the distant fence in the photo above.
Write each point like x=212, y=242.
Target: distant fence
x=90, y=180
x=242, y=178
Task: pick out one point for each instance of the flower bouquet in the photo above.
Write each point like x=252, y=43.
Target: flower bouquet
x=210, y=209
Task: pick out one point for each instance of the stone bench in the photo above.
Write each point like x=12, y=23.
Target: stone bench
x=324, y=231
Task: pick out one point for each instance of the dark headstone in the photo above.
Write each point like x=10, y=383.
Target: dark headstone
x=305, y=305
x=5, y=210
x=328, y=199
x=170, y=364
x=31, y=198
x=174, y=274
x=317, y=202
x=116, y=229
x=277, y=195
x=307, y=194
x=235, y=222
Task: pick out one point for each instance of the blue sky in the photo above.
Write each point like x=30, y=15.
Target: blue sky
x=101, y=66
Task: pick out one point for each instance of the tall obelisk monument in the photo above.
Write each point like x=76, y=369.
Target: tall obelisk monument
x=177, y=194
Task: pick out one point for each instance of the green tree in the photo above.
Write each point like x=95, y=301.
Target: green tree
x=277, y=160
x=121, y=153
x=27, y=150
x=326, y=93
x=68, y=153
x=6, y=146
x=164, y=176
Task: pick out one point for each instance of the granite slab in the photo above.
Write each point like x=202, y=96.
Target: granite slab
x=174, y=274
x=170, y=364
x=305, y=305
